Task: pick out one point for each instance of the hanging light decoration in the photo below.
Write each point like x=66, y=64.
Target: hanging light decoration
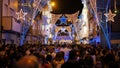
x=110, y=16
x=115, y=7
x=21, y=15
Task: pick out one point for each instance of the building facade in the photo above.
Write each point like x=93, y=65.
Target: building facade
x=10, y=27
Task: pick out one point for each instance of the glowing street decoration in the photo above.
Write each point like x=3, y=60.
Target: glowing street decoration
x=82, y=24
x=37, y=5
x=63, y=29
x=35, y=9
x=94, y=12
x=47, y=17
x=63, y=20
x=21, y=15
x=85, y=25
x=93, y=5
x=52, y=4
x=110, y=16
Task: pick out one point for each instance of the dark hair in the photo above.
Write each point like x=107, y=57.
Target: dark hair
x=59, y=56
x=72, y=55
x=71, y=64
x=119, y=54
x=49, y=58
x=88, y=61
x=27, y=62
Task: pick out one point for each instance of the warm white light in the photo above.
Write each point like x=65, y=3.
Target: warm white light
x=53, y=4
x=34, y=5
x=15, y=4
x=21, y=15
x=50, y=36
x=85, y=20
x=85, y=29
x=83, y=23
x=110, y=16
x=43, y=27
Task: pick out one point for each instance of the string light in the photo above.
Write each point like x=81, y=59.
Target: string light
x=115, y=7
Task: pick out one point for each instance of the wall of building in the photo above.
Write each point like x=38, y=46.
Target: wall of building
x=10, y=38
x=0, y=20
x=9, y=9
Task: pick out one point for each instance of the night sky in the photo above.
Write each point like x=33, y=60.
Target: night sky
x=67, y=6
x=115, y=25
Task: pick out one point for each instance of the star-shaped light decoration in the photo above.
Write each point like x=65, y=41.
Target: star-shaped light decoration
x=110, y=16
x=21, y=15
x=63, y=20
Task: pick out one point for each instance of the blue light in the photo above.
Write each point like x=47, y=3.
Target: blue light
x=105, y=31
x=63, y=19
x=106, y=36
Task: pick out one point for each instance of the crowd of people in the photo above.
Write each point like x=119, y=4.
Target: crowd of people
x=58, y=56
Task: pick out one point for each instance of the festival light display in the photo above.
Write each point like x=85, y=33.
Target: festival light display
x=110, y=16
x=82, y=26
x=21, y=15
x=37, y=6
x=83, y=30
x=63, y=20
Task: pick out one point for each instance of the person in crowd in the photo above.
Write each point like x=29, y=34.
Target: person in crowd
x=58, y=56
x=28, y=62
x=48, y=62
x=58, y=60
x=72, y=61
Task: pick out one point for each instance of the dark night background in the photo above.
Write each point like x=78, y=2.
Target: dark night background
x=67, y=6
x=115, y=25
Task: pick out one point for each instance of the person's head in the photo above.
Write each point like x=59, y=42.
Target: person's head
x=71, y=64
x=72, y=55
x=59, y=56
x=28, y=62
x=88, y=61
x=49, y=58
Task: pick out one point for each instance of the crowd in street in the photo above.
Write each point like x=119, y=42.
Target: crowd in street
x=58, y=56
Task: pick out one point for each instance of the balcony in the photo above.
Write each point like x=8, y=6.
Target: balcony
x=10, y=24
x=115, y=38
